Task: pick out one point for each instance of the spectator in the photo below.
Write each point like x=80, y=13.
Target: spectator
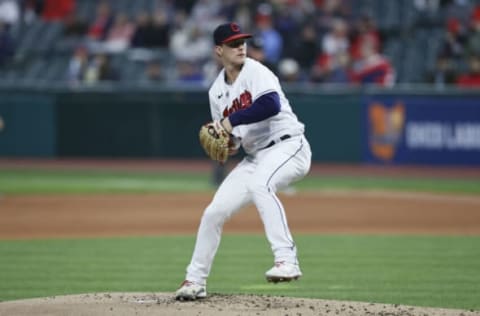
x=473, y=41
x=99, y=69
x=339, y=69
x=55, y=10
x=289, y=70
x=227, y=11
x=372, y=67
x=332, y=69
x=152, y=31
x=184, y=5
x=457, y=9
x=320, y=69
x=426, y=12
x=272, y=41
x=287, y=26
x=336, y=40
x=180, y=18
x=190, y=44
x=255, y=51
x=9, y=12
x=242, y=15
x=143, y=30
x=210, y=71
x=472, y=77
x=453, y=44
x=189, y=72
x=120, y=34
x=31, y=10
x=160, y=35
x=77, y=65
x=328, y=11
x=74, y=26
x=306, y=48
x=98, y=30
x=364, y=31
x=205, y=14
x=444, y=72
x=154, y=72
x=426, y=5
x=7, y=48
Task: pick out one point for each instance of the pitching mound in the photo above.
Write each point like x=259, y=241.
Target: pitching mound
x=215, y=304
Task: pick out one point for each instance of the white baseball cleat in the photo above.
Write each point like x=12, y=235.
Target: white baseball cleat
x=190, y=291
x=283, y=272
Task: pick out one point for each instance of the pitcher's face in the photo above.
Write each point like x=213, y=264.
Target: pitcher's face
x=233, y=52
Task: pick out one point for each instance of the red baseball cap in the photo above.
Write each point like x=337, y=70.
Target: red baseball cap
x=228, y=32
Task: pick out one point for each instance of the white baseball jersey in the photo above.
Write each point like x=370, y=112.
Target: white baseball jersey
x=253, y=81
x=258, y=176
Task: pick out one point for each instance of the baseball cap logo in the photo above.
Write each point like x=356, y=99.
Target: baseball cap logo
x=228, y=32
x=235, y=28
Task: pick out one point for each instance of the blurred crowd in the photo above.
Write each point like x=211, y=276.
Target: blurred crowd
x=458, y=61
x=317, y=41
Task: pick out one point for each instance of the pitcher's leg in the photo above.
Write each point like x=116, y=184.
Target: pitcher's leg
x=274, y=219
x=229, y=198
x=278, y=167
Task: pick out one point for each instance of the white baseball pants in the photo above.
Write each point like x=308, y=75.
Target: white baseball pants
x=255, y=179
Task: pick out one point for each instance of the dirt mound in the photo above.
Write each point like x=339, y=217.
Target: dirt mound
x=215, y=304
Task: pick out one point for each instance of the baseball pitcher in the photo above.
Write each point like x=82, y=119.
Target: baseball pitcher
x=248, y=109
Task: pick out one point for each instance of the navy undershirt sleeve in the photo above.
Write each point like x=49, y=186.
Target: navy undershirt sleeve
x=264, y=107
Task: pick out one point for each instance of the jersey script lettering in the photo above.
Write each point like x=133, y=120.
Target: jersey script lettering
x=240, y=103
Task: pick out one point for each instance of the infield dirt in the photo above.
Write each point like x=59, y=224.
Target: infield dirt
x=51, y=216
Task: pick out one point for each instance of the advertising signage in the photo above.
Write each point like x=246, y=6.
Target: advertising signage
x=421, y=129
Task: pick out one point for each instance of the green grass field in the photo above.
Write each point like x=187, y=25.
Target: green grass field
x=427, y=271
x=34, y=181
x=437, y=271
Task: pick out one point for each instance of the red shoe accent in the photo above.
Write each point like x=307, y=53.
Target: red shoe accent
x=186, y=282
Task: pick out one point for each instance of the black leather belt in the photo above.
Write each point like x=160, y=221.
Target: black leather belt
x=286, y=136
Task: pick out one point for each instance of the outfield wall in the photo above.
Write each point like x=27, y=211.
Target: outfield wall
x=400, y=126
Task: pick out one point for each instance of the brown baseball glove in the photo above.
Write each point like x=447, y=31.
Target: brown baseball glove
x=215, y=141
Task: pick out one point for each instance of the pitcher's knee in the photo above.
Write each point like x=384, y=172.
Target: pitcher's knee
x=215, y=214
x=256, y=186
